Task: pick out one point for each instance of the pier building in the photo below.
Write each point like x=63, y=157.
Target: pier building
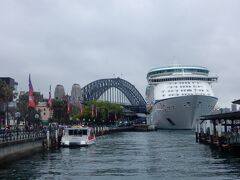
x=220, y=130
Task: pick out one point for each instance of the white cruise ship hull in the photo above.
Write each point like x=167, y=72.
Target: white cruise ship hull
x=181, y=112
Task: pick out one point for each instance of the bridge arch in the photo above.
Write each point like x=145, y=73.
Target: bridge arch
x=95, y=89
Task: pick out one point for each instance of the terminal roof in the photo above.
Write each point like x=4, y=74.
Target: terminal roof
x=223, y=116
x=236, y=101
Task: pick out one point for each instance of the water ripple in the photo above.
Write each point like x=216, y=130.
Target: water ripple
x=130, y=155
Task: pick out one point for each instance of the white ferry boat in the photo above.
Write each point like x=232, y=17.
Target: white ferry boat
x=177, y=95
x=78, y=136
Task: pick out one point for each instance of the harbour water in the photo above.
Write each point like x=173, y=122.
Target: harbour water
x=130, y=155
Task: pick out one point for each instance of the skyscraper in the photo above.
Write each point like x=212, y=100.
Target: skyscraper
x=76, y=93
x=59, y=92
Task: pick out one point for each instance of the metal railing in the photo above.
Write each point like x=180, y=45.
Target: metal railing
x=19, y=135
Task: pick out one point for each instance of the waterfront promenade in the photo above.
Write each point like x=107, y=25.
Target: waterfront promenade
x=17, y=144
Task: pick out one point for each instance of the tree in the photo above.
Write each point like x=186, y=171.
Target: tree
x=106, y=111
x=59, y=108
x=6, y=93
x=23, y=105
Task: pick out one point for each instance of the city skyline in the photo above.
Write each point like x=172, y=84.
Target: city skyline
x=67, y=42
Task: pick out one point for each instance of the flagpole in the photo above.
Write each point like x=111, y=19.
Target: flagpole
x=31, y=101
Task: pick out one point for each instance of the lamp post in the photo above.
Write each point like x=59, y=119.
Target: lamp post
x=36, y=116
x=7, y=121
x=17, y=116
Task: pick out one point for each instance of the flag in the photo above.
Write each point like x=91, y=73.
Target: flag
x=93, y=108
x=49, y=99
x=31, y=102
x=68, y=105
x=81, y=107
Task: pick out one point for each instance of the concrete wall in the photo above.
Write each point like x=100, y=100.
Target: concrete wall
x=11, y=152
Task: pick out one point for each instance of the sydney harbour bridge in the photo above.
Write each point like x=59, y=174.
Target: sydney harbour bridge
x=115, y=90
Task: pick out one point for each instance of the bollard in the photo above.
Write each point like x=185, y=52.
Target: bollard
x=48, y=139
x=204, y=128
x=196, y=132
x=56, y=136
x=219, y=130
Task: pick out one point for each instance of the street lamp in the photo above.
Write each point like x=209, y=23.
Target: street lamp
x=36, y=116
x=17, y=115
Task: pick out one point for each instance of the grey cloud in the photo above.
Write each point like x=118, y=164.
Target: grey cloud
x=68, y=41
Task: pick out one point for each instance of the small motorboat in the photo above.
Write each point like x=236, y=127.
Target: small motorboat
x=78, y=136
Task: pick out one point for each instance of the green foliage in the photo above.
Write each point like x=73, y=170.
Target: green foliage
x=105, y=111
x=23, y=102
x=60, y=111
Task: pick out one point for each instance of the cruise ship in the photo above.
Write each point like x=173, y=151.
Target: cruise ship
x=177, y=96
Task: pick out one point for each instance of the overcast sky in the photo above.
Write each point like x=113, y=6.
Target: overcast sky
x=79, y=41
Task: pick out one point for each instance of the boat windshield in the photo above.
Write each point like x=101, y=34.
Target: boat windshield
x=77, y=132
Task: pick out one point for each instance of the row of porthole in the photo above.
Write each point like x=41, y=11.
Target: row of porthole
x=184, y=90
x=188, y=104
x=184, y=86
x=184, y=83
x=185, y=94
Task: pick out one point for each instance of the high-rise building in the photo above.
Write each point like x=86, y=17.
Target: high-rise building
x=76, y=93
x=234, y=107
x=59, y=92
x=10, y=82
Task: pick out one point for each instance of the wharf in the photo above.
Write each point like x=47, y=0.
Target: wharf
x=17, y=144
x=220, y=130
